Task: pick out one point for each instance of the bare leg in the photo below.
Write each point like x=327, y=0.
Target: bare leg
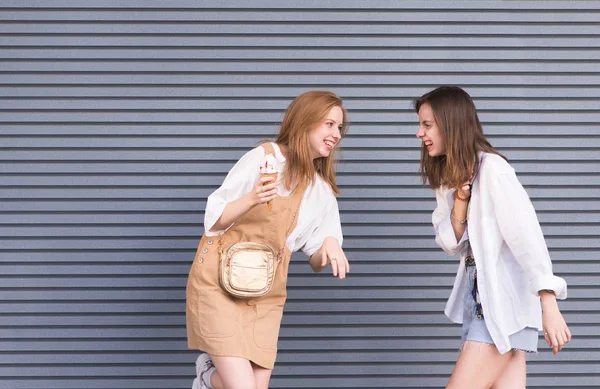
x=232, y=373
x=215, y=380
x=479, y=365
x=262, y=376
x=514, y=376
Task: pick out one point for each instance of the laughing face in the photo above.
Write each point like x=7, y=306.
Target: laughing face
x=430, y=133
x=325, y=135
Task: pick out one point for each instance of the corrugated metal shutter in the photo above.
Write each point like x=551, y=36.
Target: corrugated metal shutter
x=119, y=118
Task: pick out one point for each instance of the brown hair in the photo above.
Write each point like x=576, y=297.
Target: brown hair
x=306, y=111
x=456, y=117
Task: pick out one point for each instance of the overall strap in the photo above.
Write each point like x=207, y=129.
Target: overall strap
x=269, y=149
x=293, y=223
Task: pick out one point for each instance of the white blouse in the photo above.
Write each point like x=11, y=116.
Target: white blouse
x=318, y=217
x=510, y=252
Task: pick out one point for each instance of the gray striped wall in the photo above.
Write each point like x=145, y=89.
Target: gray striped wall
x=118, y=118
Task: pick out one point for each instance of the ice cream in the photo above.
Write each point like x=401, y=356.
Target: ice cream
x=268, y=169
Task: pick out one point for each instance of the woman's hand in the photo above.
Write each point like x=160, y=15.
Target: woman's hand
x=458, y=213
x=331, y=253
x=464, y=192
x=556, y=331
x=235, y=209
x=264, y=191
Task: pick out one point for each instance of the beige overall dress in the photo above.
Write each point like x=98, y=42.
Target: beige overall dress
x=248, y=328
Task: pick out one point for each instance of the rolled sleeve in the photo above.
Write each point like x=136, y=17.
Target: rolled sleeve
x=239, y=181
x=520, y=228
x=550, y=282
x=329, y=224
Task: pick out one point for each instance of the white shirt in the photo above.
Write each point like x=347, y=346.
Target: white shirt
x=318, y=217
x=512, y=259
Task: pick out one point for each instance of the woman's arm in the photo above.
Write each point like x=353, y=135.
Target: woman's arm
x=445, y=235
x=458, y=213
x=520, y=229
x=324, y=245
x=330, y=252
x=235, y=209
x=556, y=331
x=240, y=191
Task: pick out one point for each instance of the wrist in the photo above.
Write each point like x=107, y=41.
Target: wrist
x=548, y=298
x=251, y=200
x=453, y=218
x=331, y=238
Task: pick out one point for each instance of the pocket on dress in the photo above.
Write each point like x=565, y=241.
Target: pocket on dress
x=217, y=314
x=266, y=325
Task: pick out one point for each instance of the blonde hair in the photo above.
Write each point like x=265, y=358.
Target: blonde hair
x=305, y=112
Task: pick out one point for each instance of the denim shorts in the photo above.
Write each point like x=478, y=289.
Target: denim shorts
x=474, y=327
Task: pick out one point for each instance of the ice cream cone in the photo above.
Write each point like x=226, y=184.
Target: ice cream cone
x=268, y=169
x=274, y=175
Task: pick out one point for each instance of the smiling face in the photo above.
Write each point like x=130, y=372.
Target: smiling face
x=430, y=133
x=325, y=135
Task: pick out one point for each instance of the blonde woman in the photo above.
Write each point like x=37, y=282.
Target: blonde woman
x=296, y=211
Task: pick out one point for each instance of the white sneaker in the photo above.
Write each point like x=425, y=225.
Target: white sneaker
x=203, y=366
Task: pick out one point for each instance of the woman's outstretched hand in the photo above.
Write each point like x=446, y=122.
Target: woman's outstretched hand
x=331, y=253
